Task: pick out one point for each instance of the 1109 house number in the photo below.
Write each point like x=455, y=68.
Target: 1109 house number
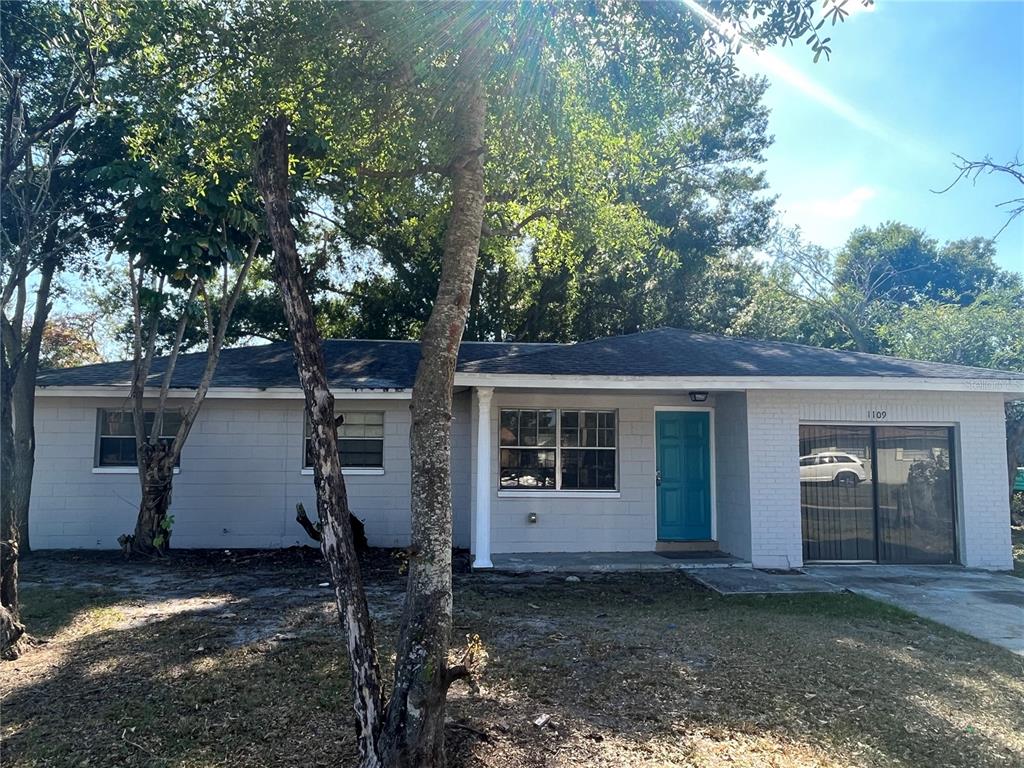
x=876, y=415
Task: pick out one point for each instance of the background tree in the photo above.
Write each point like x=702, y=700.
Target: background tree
x=878, y=272
x=696, y=199
x=846, y=291
x=972, y=170
x=986, y=333
x=54, y=58
x=187, y=261
x=69, y=340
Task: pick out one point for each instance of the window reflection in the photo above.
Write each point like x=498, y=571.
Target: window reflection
x=877, y=493
x=915, y=495
x=837, y=493
x=547, y=449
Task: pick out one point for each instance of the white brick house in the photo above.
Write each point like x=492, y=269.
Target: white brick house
x=663, y=441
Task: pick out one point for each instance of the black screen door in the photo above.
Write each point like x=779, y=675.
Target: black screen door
x=882, y=494
x=837, y=493
x=915, y=495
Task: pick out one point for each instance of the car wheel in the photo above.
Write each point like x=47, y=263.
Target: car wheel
x=847, y=479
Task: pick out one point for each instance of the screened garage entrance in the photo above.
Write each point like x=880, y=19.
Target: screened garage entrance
x=877, y=494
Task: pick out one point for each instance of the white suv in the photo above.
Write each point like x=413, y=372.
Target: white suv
x=832, y=467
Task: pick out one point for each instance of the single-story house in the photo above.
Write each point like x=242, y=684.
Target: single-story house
x=666, y=440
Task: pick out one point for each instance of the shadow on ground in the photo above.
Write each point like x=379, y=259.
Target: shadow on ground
x=238, y=663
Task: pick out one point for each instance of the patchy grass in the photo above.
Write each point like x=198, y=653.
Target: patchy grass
x=1017, y=535
x=48, y=611
x=237, y=663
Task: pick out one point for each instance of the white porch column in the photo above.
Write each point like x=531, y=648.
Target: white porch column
x=482, y=515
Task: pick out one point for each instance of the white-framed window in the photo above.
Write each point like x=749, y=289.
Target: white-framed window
x=567, y=449
x=115, y=435
x=360, y=440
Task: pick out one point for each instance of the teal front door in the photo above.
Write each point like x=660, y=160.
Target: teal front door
x=684, y=475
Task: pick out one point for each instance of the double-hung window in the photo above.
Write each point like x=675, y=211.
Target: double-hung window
x=558, y=449
x=360, y=441
x=115, y=435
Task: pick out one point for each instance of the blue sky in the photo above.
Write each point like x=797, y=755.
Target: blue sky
x=866, y=136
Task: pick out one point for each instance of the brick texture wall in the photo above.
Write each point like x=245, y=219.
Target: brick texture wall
x=773, y=419
x=241, y=475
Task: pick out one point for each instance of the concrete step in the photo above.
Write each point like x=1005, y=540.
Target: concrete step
x=686, y=546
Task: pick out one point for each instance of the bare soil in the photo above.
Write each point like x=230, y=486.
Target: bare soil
x=214, y=659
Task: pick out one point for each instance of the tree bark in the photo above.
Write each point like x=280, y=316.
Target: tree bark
x=24, y=406
x=271, y=173
x=19, y=362
x=414, y=733
x=152, y=536
x=11, y=628
x=1014, y=440
x=158, y=458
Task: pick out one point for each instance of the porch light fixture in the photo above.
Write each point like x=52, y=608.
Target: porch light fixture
x=699, y=397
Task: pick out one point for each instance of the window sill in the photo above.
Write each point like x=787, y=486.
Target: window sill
x=354, y=471
x=123, y=470
x=559, y=494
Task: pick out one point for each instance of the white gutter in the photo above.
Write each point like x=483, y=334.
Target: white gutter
x=224, y=393
x=1013, y=388
x=891, y=383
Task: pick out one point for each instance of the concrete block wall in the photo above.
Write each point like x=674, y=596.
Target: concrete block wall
x=733, y=473
x=241, y=475
x=625, y=521
x=773, y=418
x=462, y=491
x=776, y=539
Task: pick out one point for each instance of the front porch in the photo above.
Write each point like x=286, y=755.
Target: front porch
x=603, y=562
x=609, y=481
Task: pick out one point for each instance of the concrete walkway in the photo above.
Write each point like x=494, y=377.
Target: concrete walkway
x=989, y=606
x=737, y=581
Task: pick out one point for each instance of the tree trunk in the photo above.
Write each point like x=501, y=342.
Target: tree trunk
x=19, y=361
x=11, y=628
x=152, y=534
x=23, y=403
x=271, y=172
x=414, y=733
x=1014, y=440
x=20, y=488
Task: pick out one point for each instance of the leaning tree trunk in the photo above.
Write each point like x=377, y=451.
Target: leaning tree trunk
x=271, y=173
x=414, y=733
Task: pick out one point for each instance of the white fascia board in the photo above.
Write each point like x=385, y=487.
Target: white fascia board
x=226, y=393
x=891, y=383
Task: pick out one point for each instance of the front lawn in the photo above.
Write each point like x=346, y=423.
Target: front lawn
x=235, y=661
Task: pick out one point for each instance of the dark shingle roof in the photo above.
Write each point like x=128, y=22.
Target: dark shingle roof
x=351, y=364
x=359, y=364
x=674, y=352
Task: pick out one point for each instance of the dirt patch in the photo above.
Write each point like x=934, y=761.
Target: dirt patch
x=235, y=660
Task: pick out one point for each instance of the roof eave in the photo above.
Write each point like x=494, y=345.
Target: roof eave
x=224, y=393
x=903, y=383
